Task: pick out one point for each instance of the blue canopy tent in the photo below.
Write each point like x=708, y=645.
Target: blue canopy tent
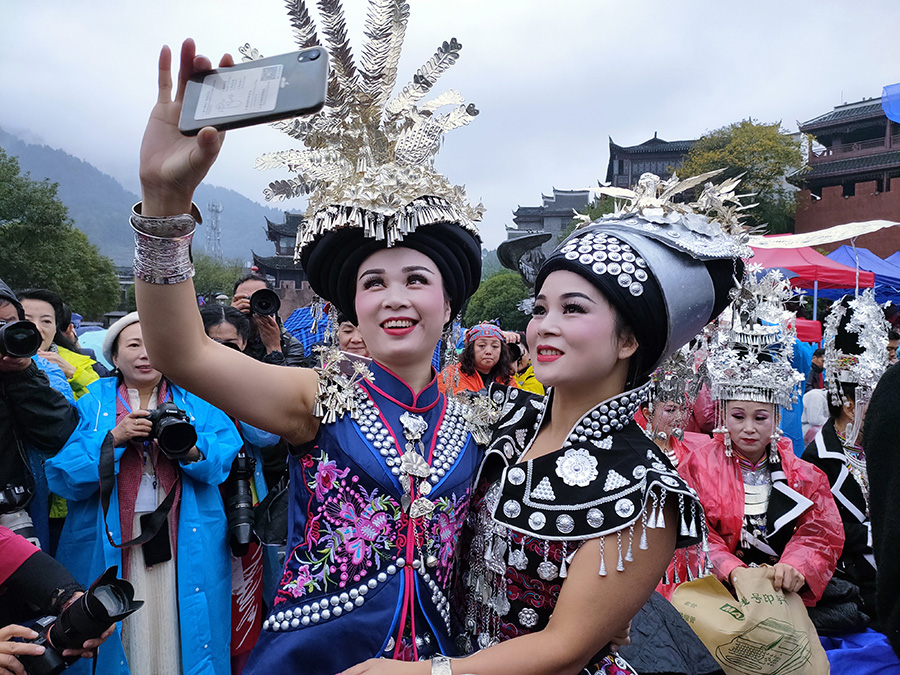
x=887, y=275
x=300, y=323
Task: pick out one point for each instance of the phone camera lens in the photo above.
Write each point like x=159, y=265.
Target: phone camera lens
x=314, y=55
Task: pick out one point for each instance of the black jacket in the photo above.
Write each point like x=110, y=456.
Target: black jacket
x=291, y=354
x=34, y=413
x=880, y=444
x=825, y=452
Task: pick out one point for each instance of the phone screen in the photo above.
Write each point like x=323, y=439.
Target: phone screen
x=255, y=92
x=244, y=92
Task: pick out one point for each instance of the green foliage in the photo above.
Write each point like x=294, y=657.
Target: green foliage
x=215, y=276
x=490, y=264
x=498, y=298
x=765, y=154
x=41, y=248
x=597, y=208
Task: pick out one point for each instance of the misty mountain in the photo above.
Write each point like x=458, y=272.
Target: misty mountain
x=99, y=205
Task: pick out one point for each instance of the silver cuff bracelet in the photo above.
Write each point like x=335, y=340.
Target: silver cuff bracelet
x=440, y=665
x=162, y=246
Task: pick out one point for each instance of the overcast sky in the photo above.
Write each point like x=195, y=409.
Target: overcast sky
x=553, y=80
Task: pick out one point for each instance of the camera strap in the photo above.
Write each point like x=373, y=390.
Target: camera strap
x=151, y=523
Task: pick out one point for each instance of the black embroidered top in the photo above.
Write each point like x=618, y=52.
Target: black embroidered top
x=530, y=518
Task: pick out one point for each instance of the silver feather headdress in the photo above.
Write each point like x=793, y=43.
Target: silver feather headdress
x=856, y=337
x=707, y=228
x=750, y=355
x=369, y=158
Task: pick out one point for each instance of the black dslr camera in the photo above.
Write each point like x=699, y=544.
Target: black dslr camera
x=19, y=339
x=173, y=430
x=265, y=301
x=239, y=504
x=107, y=601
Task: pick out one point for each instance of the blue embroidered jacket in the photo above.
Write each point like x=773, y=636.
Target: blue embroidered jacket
x=363, y=576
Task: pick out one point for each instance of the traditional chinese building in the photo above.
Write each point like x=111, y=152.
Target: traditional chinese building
x=553, y=216
x=627, y=163
x=290, y=279
x=852, y=174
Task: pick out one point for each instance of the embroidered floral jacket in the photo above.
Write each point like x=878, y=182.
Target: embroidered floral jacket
x=367, y=572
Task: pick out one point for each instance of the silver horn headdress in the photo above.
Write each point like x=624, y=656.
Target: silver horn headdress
x=369, y=158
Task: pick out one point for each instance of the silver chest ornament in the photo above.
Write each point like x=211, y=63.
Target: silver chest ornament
x=414, y=469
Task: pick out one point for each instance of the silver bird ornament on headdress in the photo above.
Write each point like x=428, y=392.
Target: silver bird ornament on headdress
x=369, y=159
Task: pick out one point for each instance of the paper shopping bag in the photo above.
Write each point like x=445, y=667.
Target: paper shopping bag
x=756, y=631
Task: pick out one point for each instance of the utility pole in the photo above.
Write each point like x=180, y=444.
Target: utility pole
x=214, y=232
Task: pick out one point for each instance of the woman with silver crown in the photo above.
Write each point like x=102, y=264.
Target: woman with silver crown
x=577, y=513
x=856, y=333
x=382, y=462
x=668, y=406
x=764, y=506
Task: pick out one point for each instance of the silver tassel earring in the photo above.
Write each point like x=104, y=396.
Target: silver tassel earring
x=773, y=447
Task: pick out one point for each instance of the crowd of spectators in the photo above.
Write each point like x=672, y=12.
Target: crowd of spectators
x=69, y=425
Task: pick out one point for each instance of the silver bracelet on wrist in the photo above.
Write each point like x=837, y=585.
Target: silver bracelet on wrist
x=440, y=665
x=162, y=246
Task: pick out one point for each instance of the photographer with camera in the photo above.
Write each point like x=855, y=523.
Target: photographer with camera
x=268, y=342
x=35, y=421
x=34, y=584
x=146, y=462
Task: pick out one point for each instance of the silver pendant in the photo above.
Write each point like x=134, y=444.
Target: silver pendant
x=548, y=571
x=518, y=559
x=501, y=604
x=420, y=507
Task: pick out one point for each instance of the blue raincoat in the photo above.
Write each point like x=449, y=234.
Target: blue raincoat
x=204, y=565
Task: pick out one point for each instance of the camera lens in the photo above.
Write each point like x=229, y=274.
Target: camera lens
x=20, y=339
x=175, y=437
x=265, y=302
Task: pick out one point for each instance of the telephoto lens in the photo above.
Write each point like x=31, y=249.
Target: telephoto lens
x=239, y=504
x=19, y=339
x=265, y=301
x=106, y=602
x=172, y=430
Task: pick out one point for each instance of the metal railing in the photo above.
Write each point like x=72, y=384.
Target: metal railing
x=854, y=149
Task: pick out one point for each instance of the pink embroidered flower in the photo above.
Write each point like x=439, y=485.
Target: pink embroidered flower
x=303, y=575
x=326, y=474
x=307, y=461
x=446, y=530
x=371, y=528
x=312, y=532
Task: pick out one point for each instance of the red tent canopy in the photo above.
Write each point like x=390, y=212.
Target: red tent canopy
x=810, y=266
x=807, y=330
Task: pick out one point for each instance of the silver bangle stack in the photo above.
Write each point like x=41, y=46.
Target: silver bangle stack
x=162, y=246
x=440, y=665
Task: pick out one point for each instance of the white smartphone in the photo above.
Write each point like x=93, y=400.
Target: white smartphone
x=265, y=90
